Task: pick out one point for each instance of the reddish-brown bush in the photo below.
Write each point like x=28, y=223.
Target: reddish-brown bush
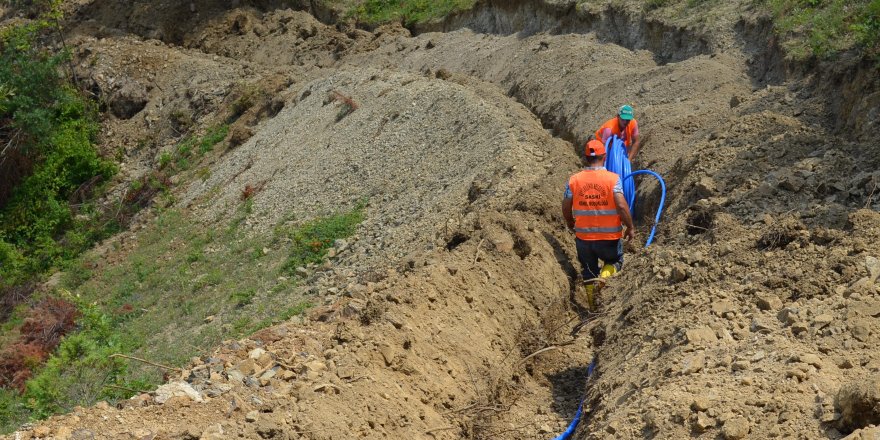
x=39, y=335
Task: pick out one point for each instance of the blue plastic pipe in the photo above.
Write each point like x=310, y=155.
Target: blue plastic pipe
x=617, y=161
x=577, y=416
x=662, y=200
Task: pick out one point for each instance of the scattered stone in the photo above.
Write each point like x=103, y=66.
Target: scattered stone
x=788, y=315
x=252, y=416
x=823, y=320
x=213, y=432
x=701, y=403
x=769, y=302
x=694, y=364
x=735, y=428
x=722, y=307
x=799, y=327
x=759, y=325
x=679, y=272
x=701, y=335
x=740, y=365
x=702, y=422
x=235, y=376
x=873, y=265
x=177, y=389
x=209, y=319
x=811, y=359
x=247, y=367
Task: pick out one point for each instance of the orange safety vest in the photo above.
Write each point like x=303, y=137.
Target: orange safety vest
x=612, y=125
x=593, y=206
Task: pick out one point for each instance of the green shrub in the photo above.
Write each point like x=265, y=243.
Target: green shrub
x=55, y=126
x=81, y=369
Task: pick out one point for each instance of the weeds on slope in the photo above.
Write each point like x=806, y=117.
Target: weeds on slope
x=180, y=290
x=409, y=12
x=826, y=27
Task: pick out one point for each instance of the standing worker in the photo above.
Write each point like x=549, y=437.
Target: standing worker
x=595, y=209
x=623, y=126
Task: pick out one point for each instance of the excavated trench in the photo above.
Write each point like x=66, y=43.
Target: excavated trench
x=549, y=370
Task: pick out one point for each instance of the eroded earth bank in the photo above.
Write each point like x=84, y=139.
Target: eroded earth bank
x=453, y=312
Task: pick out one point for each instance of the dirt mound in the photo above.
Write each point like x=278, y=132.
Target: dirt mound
x=434, y=351
x=756, y=303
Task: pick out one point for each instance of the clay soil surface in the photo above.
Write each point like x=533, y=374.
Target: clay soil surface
x=454, y=312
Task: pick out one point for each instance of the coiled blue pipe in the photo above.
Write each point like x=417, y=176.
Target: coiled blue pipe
x=617, y=161
x=627, y=177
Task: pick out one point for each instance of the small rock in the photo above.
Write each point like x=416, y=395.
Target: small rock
x=694, y=364
x=251, y=416
x=722, y=307
x=701, y=335
x=177, y=389
x=788, y=315
x=735, y=428
x=823, y=320
x=769, y=302
x=734, y=101
x=679, y=272
x=811, y=359
x=42, y=431
x=703, y=422
x=760, y=325
x=209, y=319
x=740, y=365
x=873, y=265
x=799, y=327
x=701, y=403
x=247, y=367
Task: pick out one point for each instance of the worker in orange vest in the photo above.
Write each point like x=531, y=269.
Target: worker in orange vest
x=595, y=209
x=623, y=126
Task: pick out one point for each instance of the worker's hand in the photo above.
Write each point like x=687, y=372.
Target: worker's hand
x=629, y=234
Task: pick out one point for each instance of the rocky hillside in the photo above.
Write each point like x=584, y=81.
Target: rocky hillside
x=453, y=310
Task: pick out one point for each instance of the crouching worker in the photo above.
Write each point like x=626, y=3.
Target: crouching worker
x=595, y=209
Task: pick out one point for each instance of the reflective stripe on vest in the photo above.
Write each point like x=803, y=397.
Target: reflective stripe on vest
x=578, y=213
x=601, y=230
x=593, y=206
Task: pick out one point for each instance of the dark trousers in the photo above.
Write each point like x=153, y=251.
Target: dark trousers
x=590, y=252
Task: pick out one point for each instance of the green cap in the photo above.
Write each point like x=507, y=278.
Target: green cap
x=625, y=113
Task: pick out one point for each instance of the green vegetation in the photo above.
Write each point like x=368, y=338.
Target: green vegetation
x=825, y=27
x=408, y=11
x=806, y=28
x=192, y=148
x=180, y=291
x=310, y=242
x=48, y=129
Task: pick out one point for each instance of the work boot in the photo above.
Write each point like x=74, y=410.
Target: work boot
x=590, y=290
x=607, y=271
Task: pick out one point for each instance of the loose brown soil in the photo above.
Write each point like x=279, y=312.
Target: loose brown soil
x=454, y=311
